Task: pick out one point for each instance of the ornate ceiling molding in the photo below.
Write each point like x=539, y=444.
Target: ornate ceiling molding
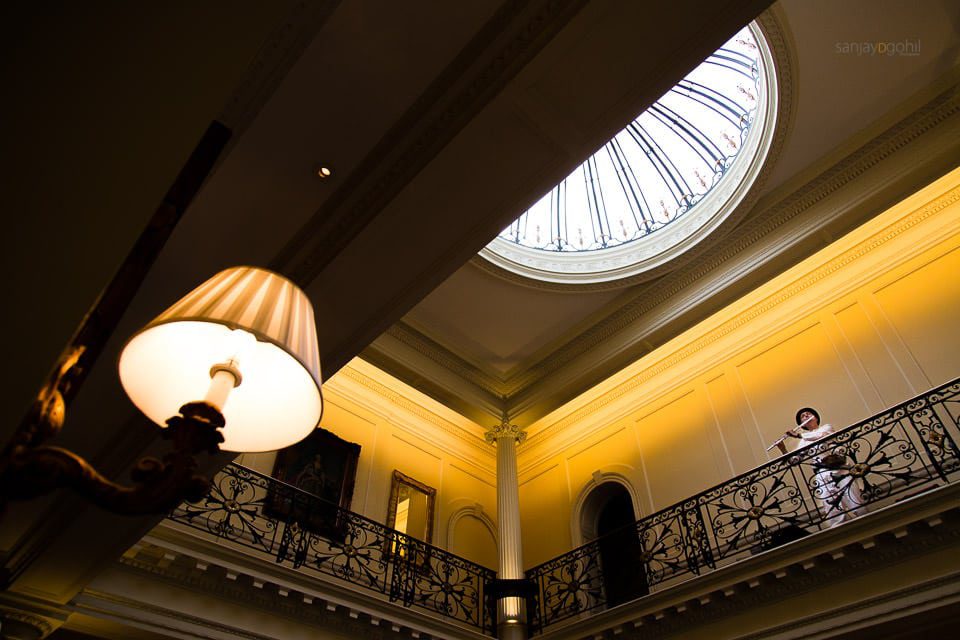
x=502, y=388
x=762, y=224
x=475, y=442
x=877, y=240
x=11, y=619
x=431, y=349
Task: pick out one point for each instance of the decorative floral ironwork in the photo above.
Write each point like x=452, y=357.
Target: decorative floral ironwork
x=360, y=551
x=752, y=509
x=662, y=541
x=906, y=448
x=232, y=510
x=449, y=586
x=358, y=559
x=570, y=584
x=861, y=467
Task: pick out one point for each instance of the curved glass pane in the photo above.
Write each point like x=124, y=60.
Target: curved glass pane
x=659, y=168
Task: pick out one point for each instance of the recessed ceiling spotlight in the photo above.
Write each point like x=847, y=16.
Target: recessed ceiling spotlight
x=324, y=172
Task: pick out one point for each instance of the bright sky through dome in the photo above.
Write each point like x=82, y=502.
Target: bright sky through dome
x=659, y=166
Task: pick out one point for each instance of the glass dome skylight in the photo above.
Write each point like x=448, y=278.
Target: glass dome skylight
x=660, y=185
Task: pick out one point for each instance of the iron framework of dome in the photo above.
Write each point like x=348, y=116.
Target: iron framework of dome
x=662, y=184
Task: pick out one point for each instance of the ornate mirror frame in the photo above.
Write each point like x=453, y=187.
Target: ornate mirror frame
x=431, y=493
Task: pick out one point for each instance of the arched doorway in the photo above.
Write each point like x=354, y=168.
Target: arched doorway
x=619, y=547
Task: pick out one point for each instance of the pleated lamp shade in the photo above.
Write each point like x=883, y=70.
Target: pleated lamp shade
x=277, y=402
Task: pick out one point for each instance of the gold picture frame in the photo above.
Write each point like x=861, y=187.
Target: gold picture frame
x=415, y=519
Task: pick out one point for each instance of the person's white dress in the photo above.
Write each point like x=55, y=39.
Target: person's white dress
x=837, y=493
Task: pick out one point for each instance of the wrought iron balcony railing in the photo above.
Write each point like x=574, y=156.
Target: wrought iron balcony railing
x=904, y=449
x=297, y=528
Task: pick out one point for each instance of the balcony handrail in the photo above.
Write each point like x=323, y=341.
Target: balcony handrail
x=904, y=448
x=907, y=446
x=294, y=526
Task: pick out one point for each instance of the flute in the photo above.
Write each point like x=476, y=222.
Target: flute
x=779, y=442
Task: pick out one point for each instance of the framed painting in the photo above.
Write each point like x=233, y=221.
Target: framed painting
x=324, y=467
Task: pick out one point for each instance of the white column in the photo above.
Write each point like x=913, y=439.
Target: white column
x=511, y=617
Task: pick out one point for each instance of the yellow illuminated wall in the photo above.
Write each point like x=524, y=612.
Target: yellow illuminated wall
x=399, y=428
x=867, y=322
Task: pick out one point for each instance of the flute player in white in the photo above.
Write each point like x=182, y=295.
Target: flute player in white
x=837, y=492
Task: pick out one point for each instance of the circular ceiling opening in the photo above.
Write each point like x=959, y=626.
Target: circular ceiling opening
x=662, y=184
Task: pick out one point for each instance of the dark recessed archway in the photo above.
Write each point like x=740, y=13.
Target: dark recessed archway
x=619, y=547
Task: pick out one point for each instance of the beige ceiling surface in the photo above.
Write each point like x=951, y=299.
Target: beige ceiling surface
x=840, y=94
x=485, y=341
x=497, y=325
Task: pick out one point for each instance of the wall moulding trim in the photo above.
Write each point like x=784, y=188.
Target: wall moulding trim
x=432, y=350
x=767, y=218
x=581, y=414
x=928, y=127
x=445, y=427
x=476, y=512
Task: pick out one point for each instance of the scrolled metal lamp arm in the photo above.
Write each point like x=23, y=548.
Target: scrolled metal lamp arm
x=28, y=469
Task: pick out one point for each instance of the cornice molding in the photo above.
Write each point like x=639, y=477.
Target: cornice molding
x=102, y=604
x=931, y=593
x=903, y=224
x=770, y=217
x=807, y=582
x=114, y=604
x=42, y=627
x=435, y=352
x=445, y=426
x=209, y=567
x=759, y=231
x=41, y=615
